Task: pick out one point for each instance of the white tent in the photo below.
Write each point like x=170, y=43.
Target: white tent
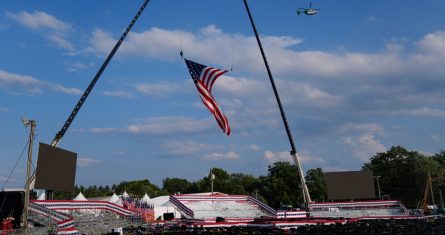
x=113, y=199
x=42, y=196
x=162, y=205
x=125, y=195
x=145, y=199
x=80, y=197
x=119, y=202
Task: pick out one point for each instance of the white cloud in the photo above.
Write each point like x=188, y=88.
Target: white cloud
x=204, y=45
x=213, y=45
x=364, y=146
x=3, y=109
x=363, y=127
x=297, y=92
x=320, y=82
x=76, y=66
x=429, y=57
x=285, y=156
x=336, y=169
x=118, y=153
x=272, y=157
x=221, y=156
x=3, y=179
x=59, y=40
x=362, y=139
x=27, y=82
x=341, y=65
x=105, y=130
x=32, y=84
x=231, y=103
x=326, y=85
x=162, y=126
x=425, y=153
x=101, y=42
x=169, y=125
x=159, y=89
x=433, y=43
x=240, y=86
x=39, y=20
x=183, y=147
x=118, y=94
x=86, y=162
x=305, y=158
x=62, y=89
x=435, y=137
x=422, y=112
x=373, y=18
x=255, y=147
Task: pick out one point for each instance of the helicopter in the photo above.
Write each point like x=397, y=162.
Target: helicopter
x=308, y=11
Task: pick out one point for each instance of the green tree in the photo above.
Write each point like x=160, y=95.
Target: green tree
x=282, y=185
x=59, y=195
x=403, y=173
x=221, y=183
x=243, y=184
x=440, y=159
x=176, y=185
x=316, y=183
x=439, y=184
x=138, y=188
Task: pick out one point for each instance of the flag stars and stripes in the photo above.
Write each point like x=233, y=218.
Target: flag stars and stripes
x=204, y=78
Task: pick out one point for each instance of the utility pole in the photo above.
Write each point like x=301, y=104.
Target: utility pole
x=212, y=177
x=378, y=186
x=32, y=124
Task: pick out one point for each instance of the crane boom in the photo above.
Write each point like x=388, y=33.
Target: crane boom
x=87, y=92
x=428, y=191
x=82, y=99
x=293, y=152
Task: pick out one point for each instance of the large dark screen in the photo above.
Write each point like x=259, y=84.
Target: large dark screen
x=350, y=185
x=56, y=169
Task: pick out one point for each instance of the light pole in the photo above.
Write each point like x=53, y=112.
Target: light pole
x=378, y=186
x=32, y=124
x=212, y=177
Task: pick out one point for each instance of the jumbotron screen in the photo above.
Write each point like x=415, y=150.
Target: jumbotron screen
x=56, y=169
x=347, y=185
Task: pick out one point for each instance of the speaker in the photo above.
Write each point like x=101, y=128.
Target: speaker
x=168, y=216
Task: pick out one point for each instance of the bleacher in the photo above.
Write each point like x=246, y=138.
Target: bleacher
x=67, y=205
x=209, y=207
x=358, y=209
x=90, y=217
x=99, y=223
x=65, y=223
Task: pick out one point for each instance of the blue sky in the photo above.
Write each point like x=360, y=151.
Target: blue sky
x=356, y=79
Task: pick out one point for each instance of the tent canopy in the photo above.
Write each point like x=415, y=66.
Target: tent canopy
x=80, y=197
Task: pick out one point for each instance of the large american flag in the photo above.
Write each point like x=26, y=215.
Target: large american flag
x=204, y=78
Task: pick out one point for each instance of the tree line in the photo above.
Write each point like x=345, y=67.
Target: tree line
x=403, y=174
